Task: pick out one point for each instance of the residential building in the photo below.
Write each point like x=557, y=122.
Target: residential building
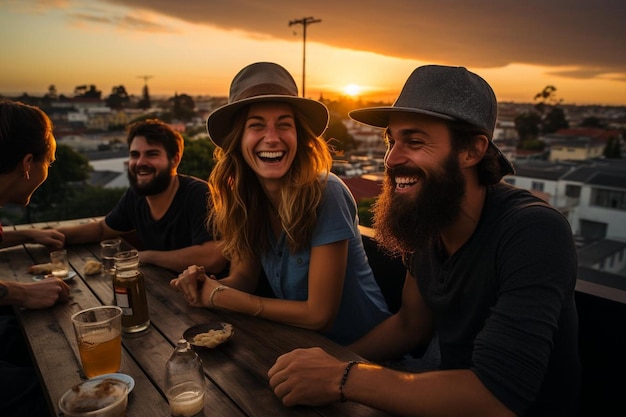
x=578, y=144
x=599, y=189
x=542, y=178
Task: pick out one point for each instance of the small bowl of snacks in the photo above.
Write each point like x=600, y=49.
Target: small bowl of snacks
x=95, y=397
x=209, y=335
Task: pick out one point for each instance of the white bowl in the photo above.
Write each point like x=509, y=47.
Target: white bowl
x=106, y=397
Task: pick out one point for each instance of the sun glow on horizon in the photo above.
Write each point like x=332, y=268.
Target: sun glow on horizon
x=100, y=53
x=352, y=90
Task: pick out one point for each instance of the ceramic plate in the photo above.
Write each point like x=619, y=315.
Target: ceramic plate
x=220, y=327
x=127, y=379
x=68, y=277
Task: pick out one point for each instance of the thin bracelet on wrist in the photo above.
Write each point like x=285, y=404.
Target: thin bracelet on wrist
x=344, y=378
x=215, y=291
x=260, y=309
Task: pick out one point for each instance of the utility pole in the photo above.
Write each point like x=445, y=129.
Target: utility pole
x=144, y=103
x=145, y=78
x=305, y=21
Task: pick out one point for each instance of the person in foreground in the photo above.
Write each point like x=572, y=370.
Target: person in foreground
x=27, y=149
x=278, y=208
x=491, y=270
x=166, y=209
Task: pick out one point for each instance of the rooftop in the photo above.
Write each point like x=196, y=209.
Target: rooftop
x=599, y=250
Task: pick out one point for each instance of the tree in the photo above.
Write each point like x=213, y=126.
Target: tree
x=82, y=91
x=69, y=170
x=338, y=136
x=182, y=107
x=88, y=201
x=118, y=99
x=527, y=126
x=613, y=148
x=364, y=208
x=554, y=120
x=592, y=121
x=145, y=103
x=52, y=93
x=197, y=158
x=547, y=105
x=545, y=98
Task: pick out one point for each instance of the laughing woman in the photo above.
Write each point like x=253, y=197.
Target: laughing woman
x=278, y=209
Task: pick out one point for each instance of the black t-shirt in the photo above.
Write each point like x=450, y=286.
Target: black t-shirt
x=183, y=225
x=504, y=303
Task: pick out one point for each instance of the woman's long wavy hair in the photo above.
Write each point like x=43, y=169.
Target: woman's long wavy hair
x=240, y=211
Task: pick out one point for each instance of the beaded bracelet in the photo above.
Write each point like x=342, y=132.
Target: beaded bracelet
x=215, y=291
x=345, y=377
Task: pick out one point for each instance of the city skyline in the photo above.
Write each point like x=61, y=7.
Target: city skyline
x=196, y=47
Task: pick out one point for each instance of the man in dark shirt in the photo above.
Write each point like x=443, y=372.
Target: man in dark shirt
x=167, y=210
x=491, y=272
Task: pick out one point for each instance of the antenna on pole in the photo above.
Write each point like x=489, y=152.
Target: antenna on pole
x=144, y=103
x=305, y=21
x=145, y=78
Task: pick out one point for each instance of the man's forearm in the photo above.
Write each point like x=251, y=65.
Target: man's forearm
x=442, y=393
x=179, y=259
x=13, y=237
x=10, y=293
x=83, y=233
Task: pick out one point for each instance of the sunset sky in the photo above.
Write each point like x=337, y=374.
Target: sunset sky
x=197, y=46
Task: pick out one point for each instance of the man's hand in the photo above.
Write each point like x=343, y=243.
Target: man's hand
x=306, y=377
x=51, y=238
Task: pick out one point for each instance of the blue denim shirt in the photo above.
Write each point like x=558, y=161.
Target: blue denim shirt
x=362, y=303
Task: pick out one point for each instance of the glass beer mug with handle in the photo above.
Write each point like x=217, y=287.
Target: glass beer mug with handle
x=184, y=381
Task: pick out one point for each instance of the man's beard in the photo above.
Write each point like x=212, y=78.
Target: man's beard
x=157, y=185
x=407, y=223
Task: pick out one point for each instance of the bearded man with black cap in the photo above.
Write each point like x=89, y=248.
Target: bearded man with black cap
x=491, y=271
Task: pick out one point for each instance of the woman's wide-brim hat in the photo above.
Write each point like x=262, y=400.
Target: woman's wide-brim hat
x=264, y=82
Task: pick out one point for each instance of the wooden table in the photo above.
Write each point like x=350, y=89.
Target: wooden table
x=236, y=372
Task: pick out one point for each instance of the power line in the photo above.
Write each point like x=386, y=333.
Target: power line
x=305, y=21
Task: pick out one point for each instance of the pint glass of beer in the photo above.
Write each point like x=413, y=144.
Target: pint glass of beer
x=98, y=334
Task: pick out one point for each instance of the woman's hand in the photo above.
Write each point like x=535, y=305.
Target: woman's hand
x=195, y=285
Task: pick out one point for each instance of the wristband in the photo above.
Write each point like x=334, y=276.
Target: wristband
x=345, y=377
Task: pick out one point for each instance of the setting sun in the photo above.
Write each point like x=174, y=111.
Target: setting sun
x=352, y=90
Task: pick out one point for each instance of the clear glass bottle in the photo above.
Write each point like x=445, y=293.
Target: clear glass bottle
x=184, y=381
x=130, y=292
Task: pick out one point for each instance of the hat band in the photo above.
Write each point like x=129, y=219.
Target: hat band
x=263, y=90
